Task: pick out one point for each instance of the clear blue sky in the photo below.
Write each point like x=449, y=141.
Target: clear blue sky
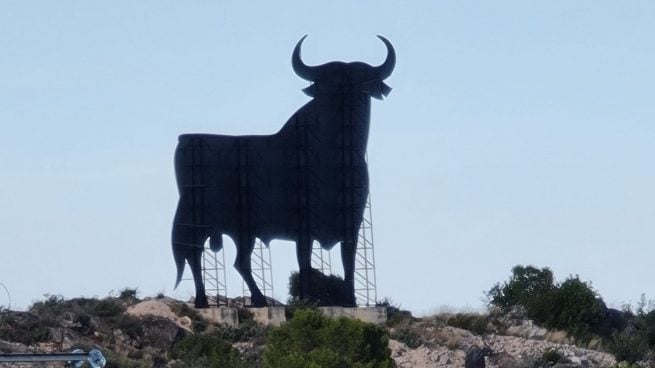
x=516, y=133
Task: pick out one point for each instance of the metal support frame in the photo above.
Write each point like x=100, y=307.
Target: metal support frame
x=321, y=259
x=262, y=271
x=365, y=278
x=213, y=275
x=365, y=281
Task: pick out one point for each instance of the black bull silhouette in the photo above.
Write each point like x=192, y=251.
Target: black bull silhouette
x=308, y=182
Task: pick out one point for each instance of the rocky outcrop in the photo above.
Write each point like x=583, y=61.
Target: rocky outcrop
x=154, y=307
x=446, y=347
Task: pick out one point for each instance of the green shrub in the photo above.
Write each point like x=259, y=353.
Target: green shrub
x=296, y=305
x=475, y=323
x=127, y=294
x=572, y=306
x=53, y=305
x=629, y=346
x=395, y=315
x=206, y=351
x=249, y=330
x=24, y=328
x=107, y=308
x=115, y=360
x=312, y=340
x=407, y=336
x=577, y=309
x=325, y=290
x=528, y=286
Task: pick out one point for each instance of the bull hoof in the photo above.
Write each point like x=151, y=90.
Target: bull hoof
x=259, y=302
x=349, y=300
x=201, y=302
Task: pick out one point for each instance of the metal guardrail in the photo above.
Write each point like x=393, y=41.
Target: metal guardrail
x=75, y=358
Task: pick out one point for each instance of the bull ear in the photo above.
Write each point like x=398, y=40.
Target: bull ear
x=311, y=90
x=378, y=90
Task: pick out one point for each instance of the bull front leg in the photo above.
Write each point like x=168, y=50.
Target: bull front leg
x=348, y=254
x=244, y=267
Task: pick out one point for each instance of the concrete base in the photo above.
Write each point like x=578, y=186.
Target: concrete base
x=270, y=316
x=221, y=315
x=377, y=315
x=275, y=316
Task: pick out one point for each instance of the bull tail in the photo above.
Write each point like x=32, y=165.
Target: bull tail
x=180, y=260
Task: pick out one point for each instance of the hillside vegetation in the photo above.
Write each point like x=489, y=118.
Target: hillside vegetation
x=532, y=322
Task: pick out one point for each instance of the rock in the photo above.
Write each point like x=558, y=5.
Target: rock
x=575, y=360
x=444, y=359
x=86, y=324
x=157, y=308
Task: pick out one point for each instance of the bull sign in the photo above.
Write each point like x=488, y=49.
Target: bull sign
x=307, y=182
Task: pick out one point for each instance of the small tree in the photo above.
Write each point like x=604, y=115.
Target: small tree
x=572, y=306
x=529, y=287
x=324, y=290
x=311, y=340
x=577, y=308
x=206, y=351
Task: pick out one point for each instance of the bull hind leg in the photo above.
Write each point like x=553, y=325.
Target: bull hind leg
x=244, y=267
x=188, y=243
x=304, y=255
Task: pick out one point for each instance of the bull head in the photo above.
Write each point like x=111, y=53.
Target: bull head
x=346, y=78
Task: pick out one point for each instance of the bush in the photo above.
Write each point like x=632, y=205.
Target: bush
x=128, y=294
x=475, y=323
x=572, y=306
x=324, y=290
x=407, y=336
x=107, y=308
x=395, y=315
x=53, y=305
x=629, y=346
x=24, y=328
x=577, y=308
x=115, y=360
x=529, y=287
x=312, y=340
x=206, y=351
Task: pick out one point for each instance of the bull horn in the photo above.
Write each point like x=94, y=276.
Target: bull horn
x=384, y=70
x=304, y=71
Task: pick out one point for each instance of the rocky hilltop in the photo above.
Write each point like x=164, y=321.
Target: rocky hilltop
x=164, y=332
